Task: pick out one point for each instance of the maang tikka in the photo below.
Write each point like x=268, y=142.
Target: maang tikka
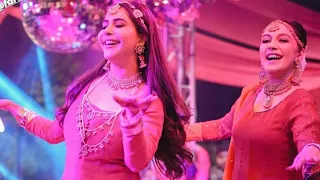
x=137, y=13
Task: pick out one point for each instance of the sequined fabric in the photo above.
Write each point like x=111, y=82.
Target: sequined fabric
x=264, y=143
x=311, y=171
x=211, y=130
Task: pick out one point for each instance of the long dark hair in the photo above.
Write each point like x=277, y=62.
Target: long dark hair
x=171, y=151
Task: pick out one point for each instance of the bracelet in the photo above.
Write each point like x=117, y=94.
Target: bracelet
x=314, y=144
x=22, y=114
x=25, y=116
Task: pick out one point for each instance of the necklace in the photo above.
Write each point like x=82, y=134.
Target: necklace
x=274, y=90
x=129, y=83
x=85, y=132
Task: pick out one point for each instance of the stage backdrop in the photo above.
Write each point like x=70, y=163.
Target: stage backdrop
x=227, y=58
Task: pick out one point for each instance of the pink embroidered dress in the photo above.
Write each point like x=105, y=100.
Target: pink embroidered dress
x=98, y=147
x=263, y=144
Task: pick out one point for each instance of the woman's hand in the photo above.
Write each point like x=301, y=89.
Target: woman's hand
x=309, y=154
x=134, y=103
x=7, y=105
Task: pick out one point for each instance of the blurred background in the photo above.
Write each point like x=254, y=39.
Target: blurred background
x=212, y=48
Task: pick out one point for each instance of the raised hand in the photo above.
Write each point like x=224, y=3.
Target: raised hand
x=134, y=103
x=10, y=106
x=5, y=104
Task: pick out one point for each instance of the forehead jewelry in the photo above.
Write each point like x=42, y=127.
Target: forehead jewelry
x=274, y=26
x=136, y=12
x=113, y=9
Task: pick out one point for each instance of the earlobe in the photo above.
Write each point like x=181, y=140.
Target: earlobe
x=142, y=40
x=301, y=53
x=299, y=56
x=141, y=43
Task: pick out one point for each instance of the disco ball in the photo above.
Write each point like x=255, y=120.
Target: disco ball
x=63, y=26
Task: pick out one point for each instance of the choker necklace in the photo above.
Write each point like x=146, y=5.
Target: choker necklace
x=274, y=90
x=129, y=83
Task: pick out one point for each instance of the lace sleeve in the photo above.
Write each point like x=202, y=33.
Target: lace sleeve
x=211, y=130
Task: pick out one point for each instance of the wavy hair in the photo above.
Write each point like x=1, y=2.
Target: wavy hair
x=171, y=151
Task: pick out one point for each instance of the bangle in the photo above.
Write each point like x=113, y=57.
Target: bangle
x=22, y=114
x=25, y=116
x=314, y=144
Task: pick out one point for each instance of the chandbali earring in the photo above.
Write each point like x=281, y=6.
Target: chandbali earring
x=106, y=67
x=297, y=73
x=262, y=75
x=139, y=50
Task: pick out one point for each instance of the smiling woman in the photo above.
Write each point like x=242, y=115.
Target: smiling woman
x=280, y=47
x=274, y=125
x=119, y=37
x=123, y=112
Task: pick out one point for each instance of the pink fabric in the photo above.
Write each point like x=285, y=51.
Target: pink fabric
x=265, y=143
x=121, y=159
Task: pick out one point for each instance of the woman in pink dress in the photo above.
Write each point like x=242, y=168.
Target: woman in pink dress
x=123, y=112
x=274, y=125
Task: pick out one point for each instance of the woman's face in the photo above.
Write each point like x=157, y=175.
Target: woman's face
x=118, y=36
x=278, y=50
x=221, y=159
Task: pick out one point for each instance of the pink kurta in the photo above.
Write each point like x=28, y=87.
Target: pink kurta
x=265, y=143
x=127, y=152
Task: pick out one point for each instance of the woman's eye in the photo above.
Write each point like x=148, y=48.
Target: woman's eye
x=284, y=40
x=119, y=25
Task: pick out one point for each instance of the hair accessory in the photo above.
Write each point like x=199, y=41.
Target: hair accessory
x=136, y=12
x=274, y=26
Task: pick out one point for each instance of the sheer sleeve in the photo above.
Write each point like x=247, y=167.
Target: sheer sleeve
x=211, y=130
x=304, y=122
x=221, y=128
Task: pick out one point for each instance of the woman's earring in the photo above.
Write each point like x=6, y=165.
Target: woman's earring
x=106, y=67
x=262, y=75
x=139, y=50
x=297, y=73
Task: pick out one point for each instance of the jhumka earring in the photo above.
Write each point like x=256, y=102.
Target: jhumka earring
x=106, y=67
x=139, y=50
x=296, y=78
x=262, y=75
